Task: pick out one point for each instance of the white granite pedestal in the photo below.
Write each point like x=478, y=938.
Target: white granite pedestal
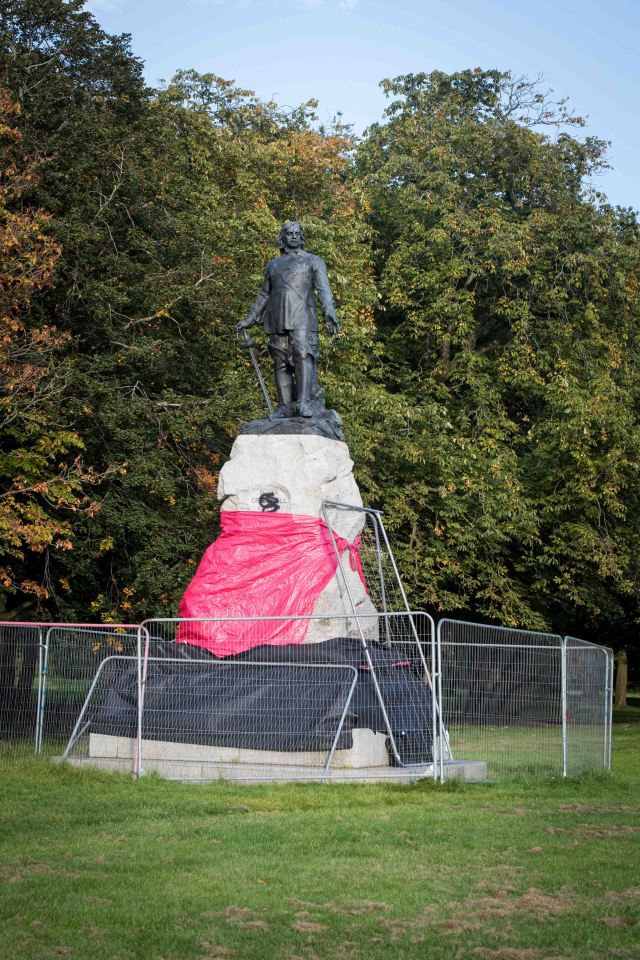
x=295, y=473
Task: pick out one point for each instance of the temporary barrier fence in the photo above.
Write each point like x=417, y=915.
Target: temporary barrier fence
x=71, y=657
x=379, y=589
x=46, y=670
x=290, y=701
x=21, y=659
x=375, y=561
x=529, y=703
x=587, y=706
x=525, y=703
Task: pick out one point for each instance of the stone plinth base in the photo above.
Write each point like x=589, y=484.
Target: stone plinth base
x=365, y=762
x=470, y=771
x=368, y=750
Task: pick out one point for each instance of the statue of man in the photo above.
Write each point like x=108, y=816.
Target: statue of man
x=287, y=308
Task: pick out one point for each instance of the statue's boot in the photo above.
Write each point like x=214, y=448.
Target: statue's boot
x=282, y=412
x=304, y=382
x=284, y=387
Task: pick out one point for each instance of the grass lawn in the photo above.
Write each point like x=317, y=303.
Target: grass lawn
x=95, y=866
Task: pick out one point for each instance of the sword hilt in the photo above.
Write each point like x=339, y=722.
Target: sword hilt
x=247, y=343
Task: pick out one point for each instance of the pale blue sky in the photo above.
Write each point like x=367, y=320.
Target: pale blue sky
x=337, y=51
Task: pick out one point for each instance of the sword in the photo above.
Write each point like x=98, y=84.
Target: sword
x=248, y=344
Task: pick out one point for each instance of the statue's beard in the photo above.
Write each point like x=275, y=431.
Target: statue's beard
x=288, y=249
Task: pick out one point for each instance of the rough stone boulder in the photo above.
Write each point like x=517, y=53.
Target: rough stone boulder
x=294, y=473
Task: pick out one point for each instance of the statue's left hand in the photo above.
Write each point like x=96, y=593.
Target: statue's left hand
x=332, y=325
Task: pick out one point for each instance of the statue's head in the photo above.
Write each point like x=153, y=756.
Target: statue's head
x=291, y=236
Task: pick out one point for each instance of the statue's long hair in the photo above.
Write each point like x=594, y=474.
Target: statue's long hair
x=285, y=226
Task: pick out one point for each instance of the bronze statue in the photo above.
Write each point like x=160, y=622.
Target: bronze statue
x=286, y=306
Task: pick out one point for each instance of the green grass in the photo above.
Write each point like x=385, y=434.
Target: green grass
x=96, y=866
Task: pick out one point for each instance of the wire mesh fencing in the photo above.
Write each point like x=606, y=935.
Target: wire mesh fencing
x=369, y=583
x=378, y=696
x=282, y=710
x=81, y=741
x=587, y=694
x=531, y=704
x=21, y=648
x=367, y=577
x=71, y=660
x=502, y=697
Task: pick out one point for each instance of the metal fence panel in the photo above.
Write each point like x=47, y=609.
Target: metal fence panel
x=71, y=657
x=587, y=713
x=261, y=689
x=245, y=736
x=21, y=646
x=110, y=679
x=371, y=556
x=502, y=697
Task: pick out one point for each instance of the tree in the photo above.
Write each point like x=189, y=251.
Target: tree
x=206, y=191
x=166, y=205
x=509, y=321
x=40, y=473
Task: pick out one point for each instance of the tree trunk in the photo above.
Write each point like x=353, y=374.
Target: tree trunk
x=620, y=698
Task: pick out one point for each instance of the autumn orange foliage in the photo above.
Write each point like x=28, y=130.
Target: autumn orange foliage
x=39, y=481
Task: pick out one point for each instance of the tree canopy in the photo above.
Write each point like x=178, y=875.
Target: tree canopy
x=487, y=371
x=509, y=319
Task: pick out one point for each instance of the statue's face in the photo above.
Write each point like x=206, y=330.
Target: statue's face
x=293, y=236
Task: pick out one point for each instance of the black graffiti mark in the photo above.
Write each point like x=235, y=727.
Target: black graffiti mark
x=269, y=502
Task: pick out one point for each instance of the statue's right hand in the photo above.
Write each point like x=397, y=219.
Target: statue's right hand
x=244, y=324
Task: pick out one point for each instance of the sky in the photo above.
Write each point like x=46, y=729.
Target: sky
x=338, y=51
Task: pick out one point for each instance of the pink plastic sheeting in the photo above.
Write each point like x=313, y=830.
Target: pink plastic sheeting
x=261, y=565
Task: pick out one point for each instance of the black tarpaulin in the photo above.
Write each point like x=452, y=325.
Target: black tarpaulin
x=288, y=698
